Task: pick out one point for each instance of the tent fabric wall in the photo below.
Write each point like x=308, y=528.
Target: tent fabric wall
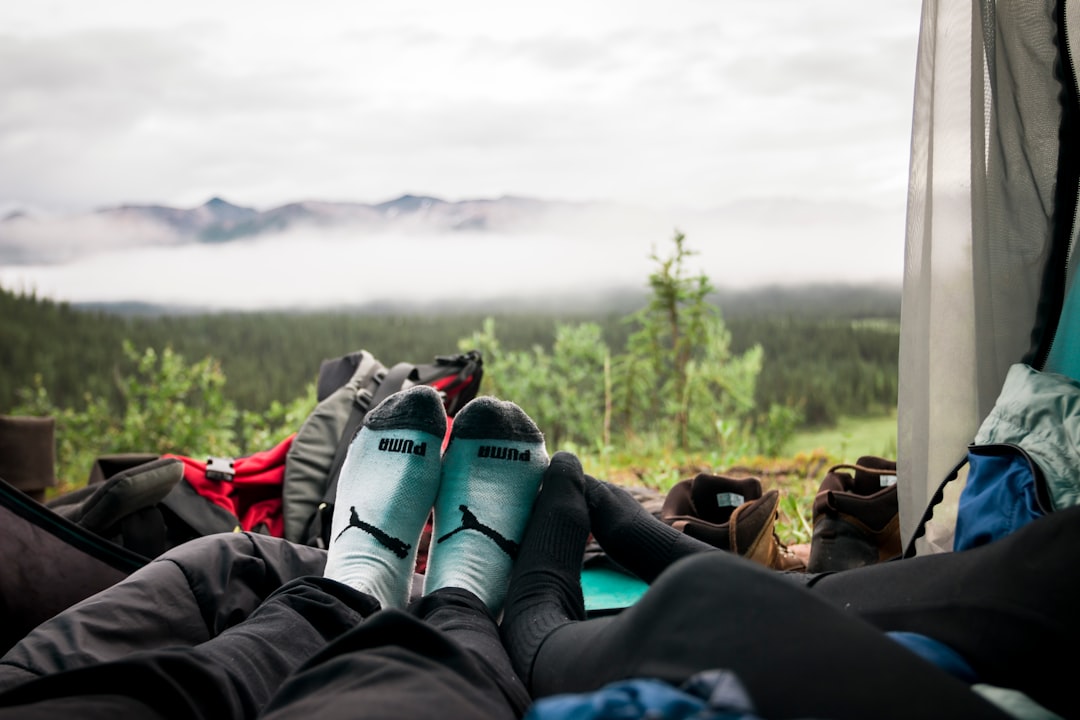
x=980, y=236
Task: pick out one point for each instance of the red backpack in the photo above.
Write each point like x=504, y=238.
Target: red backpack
x=247, y=488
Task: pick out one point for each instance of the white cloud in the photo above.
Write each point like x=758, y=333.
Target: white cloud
x=687, y=103
x=182, y=85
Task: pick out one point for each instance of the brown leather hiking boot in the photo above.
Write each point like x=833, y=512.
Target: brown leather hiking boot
x=856, y=516
x=732, y=514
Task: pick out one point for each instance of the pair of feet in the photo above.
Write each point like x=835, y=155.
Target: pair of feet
x=481, y=489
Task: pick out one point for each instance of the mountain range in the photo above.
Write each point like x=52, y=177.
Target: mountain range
x=27, y=238
x=218, y=220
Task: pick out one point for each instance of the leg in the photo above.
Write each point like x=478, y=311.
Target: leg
x=230, y=676
x=797, y=655
x=206, y=585
x=1005, y=607
x=545, y=587
x=443, y=660
x=86, y=707
x=709, y=610
x=631, y=536
x=440, y=659
x=462, y=617
x=638, y=541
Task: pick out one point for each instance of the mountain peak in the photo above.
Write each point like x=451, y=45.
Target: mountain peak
x=225, y=211
x=218, y=203
x=409, y=204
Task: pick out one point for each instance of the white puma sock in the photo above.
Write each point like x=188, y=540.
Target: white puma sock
x=385, y=492
x=491, y=473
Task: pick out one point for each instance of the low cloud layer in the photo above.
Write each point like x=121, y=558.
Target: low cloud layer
x=736, y=248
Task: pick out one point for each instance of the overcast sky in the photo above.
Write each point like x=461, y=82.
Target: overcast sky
x=683, y=103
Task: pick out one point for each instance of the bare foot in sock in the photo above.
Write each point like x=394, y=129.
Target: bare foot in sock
x=491, y=473
x=385, y=492
x=631, y=535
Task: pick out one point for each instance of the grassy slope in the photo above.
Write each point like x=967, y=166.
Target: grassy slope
x=851, y=438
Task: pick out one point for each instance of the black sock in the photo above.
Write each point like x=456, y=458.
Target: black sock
x=631, y=535
x=545, y=586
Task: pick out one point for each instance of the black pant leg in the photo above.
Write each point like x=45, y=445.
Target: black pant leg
x=464, y=618
x=1009, y=608
x=441, y=659
x=443, y=662
x=230, y=676
x=797, y=654
x=86, y=707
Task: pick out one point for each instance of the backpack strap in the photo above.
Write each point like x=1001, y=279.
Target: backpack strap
x=398, y=377
x=928, y=513
x=365, y=400
x=338, y=371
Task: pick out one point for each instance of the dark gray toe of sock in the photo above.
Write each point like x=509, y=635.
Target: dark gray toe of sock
x=417, y=408
x=488, y=418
